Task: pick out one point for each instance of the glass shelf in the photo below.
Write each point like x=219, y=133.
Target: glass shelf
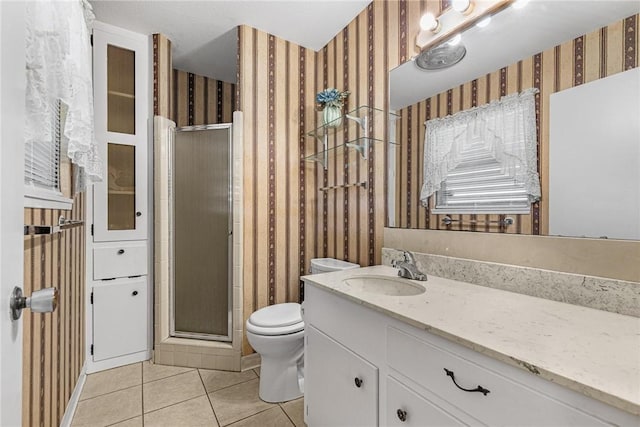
x=352, y=119
x=353, y=132
x=358, y=144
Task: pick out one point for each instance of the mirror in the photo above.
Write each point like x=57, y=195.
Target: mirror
x=551, y=45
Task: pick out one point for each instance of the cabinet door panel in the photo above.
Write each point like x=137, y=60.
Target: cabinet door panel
x=415, y=410
x=331, y=371
x=119, y=318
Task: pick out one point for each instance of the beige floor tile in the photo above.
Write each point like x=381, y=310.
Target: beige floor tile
x=109, y=408
x=273, y=417
x=295, y=411
x=216, y=380
x=237, y=402
x=171, y=390
x=194, y=412
x=133, y=422
x=111, y=380
x=153, y=372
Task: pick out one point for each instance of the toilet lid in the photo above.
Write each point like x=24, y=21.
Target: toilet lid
x=273, y=331
x=277, y=315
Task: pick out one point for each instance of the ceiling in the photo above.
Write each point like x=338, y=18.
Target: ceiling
x=203, y=33
x=511, y=36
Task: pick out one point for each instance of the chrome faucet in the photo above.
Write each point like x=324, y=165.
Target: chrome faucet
x=408, y=268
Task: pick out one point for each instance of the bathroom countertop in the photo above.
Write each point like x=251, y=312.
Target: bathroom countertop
x=593, y=352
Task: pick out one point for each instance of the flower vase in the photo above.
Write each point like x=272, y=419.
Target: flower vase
x=332, y=116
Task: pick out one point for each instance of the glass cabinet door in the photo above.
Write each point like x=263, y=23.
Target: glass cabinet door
x=121, y=182
x=120, y=88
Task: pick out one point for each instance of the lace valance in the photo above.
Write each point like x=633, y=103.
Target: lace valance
x=59, y=67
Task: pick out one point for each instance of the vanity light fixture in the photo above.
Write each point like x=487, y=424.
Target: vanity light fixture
x=483, y=22
x=428, y=22
x=463, y=6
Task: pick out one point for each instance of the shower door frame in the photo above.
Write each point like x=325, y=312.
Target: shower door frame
x=172, y=318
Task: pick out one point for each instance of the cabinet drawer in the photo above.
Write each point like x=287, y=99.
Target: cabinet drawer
x=507, y=402
x=119, y=260
x=406, y=408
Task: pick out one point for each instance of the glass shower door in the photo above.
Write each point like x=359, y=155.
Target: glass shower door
x=201, y=194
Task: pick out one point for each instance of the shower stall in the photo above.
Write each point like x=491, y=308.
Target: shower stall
x=200, y=232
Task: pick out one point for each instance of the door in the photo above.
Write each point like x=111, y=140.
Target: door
x=342, y=386
x=12, y=80
x=201, y=196
x=119, y=318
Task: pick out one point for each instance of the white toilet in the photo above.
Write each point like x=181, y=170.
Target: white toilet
x=276, y=332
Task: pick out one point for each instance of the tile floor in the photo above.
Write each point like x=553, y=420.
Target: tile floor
x=144, y=394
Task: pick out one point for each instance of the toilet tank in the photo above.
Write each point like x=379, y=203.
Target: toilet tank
x=324, y=265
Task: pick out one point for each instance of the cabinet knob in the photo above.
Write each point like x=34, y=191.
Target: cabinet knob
x=121, y=251
x=402, y=415
x=134, y=293
x=359, y=382
x=138, y=213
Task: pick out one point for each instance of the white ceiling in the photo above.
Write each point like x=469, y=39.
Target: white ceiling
x=511, y=36
x=203, y=32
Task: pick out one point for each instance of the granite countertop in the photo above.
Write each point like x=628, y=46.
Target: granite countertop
x=593, y=352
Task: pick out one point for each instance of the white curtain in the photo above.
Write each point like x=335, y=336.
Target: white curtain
x=59, y=66
x=504, y=129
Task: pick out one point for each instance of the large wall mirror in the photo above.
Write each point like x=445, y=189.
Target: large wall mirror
x=582, y=56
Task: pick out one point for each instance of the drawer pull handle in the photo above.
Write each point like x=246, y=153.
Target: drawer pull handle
x=402, y=415
x=138, y=213
x=479, y=389
x=359, y=382
x=134, y=293
x=121, y=251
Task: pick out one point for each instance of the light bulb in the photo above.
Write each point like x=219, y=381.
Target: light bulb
x=462, y=6
x=455, y=40
x=428, y=22
x=483, y=22
x=519, y=4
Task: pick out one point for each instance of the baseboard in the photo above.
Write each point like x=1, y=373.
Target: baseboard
x=250, y=361
x=75, y=397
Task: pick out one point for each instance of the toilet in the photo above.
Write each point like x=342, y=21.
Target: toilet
x=276, y=332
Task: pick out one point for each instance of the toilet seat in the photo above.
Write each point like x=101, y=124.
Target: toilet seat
x=278, y=319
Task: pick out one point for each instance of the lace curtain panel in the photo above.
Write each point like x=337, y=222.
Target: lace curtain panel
x=59, y=67
x=503, y=131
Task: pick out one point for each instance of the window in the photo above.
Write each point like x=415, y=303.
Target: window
x=43, y=166
x=483, y=160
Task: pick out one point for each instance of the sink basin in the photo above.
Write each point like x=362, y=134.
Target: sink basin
x=384, y=285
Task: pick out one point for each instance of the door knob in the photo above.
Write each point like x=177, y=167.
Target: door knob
x=41, y=301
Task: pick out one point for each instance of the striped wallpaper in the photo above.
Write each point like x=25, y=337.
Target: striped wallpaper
x=199, y=100
x=275, y=92
x=599, y=54
x=53, y=343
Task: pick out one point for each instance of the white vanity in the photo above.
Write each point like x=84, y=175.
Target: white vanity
x=375, y=358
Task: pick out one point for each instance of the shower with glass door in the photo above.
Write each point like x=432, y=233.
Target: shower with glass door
x=201, y=224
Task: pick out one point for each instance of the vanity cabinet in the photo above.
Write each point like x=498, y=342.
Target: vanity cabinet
x=118, y=253
x=415, y=388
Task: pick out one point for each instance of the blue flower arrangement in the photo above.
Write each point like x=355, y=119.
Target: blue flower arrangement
x=331, y=97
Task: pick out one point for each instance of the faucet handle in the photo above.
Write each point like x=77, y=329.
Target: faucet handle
x=408, y=257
